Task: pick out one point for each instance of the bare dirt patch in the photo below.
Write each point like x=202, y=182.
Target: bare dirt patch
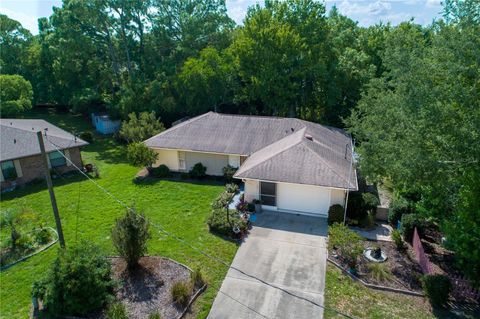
x=146, y=289
x=406, y=272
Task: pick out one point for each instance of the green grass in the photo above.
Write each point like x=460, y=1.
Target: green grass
x=354, y=299
x=89, y=214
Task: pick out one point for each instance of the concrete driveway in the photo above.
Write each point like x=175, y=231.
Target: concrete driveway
x=277, y=271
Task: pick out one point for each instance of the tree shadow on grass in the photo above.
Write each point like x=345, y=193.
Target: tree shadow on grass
x=149, y=181
x=40, y=185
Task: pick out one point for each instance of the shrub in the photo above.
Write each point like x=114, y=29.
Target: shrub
x=356, y=208
x=368, y=221
x=155, y=315
x=180, y=293
x=251, y=207
x=78, y=282
x=335, y=214
x=198, y=171
x=370, y=201
x=117, y=311
x=231, y=188
x=437, y=288
x=380, y=272
x=161, y=171
x=242, y=205
x=347, y=242
x=137, y=129
x=42, y=235
x=228, y=172
x=218, y=222
x=397, y=239
x=130, y=236
x=138, y=154
x=196, y=278
x=87, y=136
x=409, y=222
x=398, y=207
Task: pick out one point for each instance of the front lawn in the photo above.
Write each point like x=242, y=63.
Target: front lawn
x=88, y=214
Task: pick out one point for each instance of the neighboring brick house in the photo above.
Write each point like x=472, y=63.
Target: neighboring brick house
x=20, y=158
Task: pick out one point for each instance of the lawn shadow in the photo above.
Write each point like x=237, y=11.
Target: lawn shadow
x=149, y=181
x=40, y=185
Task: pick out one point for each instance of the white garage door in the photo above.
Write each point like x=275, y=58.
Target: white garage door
x=303, y=198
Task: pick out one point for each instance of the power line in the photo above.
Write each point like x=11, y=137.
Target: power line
x=161, y=229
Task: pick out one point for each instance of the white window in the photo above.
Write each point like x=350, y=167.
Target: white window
x=181, y=161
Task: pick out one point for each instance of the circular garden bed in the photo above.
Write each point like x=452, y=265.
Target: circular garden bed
x=147, y=289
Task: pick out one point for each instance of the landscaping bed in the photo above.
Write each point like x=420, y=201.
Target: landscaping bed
x=403, y=271
x=147, y=288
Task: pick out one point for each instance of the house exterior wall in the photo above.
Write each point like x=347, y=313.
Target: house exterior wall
x=213, y=162
x=252, y=190
x=31, y=167
x=299, y=198
x=167, y=157
x=337, y=197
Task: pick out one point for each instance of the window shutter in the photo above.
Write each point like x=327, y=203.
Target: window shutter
x=18, y=168
x=67, y=155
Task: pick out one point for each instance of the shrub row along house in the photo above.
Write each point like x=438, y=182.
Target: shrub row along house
x=20, y=157
x=290, y=165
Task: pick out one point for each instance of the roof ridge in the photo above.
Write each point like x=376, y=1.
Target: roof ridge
x=180, y=125
x=255, y=115
x=349, y=183
x=276, y=153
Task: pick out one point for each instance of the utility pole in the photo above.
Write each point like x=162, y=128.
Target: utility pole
x=50, y=190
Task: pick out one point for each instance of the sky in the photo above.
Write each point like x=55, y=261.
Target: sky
x=366, y=12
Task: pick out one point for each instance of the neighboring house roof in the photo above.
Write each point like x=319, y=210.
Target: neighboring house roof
x=279, y=149
x=19, y=138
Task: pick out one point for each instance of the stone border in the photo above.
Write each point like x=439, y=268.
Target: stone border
x=377, y=287
x=32, y=254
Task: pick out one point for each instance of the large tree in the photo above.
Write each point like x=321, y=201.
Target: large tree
x=419, y=124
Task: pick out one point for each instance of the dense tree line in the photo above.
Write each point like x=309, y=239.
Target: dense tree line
x=181, y=58
x=409, y=94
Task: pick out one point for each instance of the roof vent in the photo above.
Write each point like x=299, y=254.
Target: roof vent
x=308, y=137
x=14, y=141
x=293, y=130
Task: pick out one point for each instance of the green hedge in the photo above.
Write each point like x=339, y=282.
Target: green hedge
x=437, y=288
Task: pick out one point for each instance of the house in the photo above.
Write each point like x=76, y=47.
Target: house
x=289, y=164
x=20, y=158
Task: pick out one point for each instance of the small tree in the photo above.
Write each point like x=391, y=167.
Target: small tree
x=130, y=236
x=77, y=283
x=137, y=129
x=138, y=154
x=12, y=219
x=347, y=242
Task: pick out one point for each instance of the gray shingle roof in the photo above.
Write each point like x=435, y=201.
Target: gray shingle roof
x=278, y=147
x=19, y=138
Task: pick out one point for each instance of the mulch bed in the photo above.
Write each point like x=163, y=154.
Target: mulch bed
x=146, y=290
x=402, y=264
